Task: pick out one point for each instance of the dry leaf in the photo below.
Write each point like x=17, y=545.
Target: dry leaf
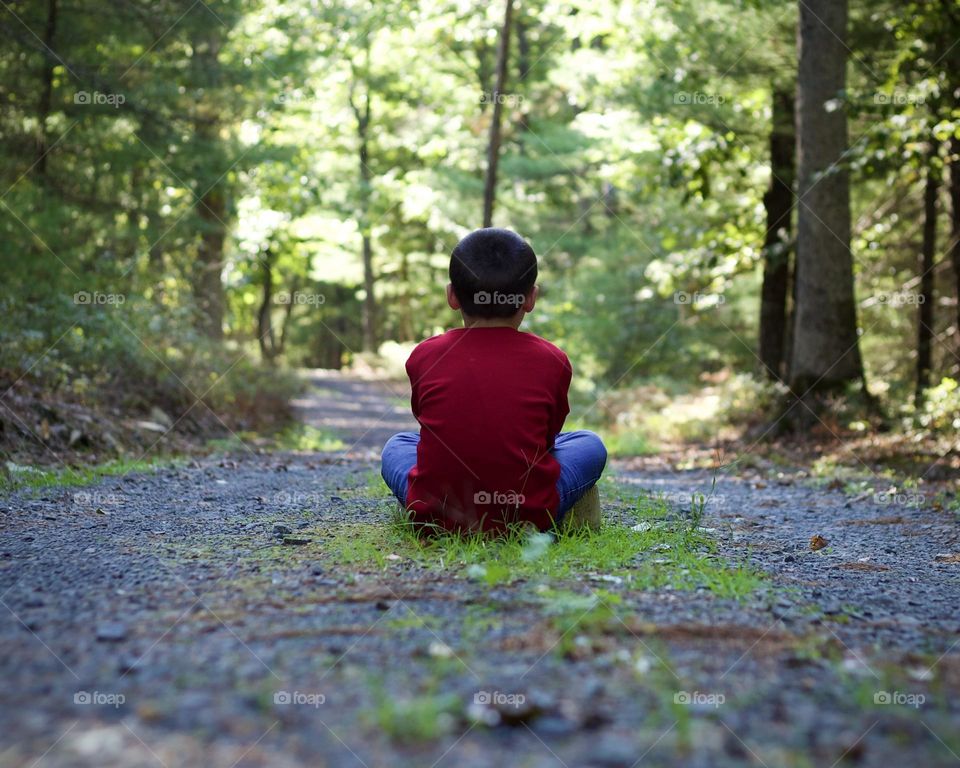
x=817, y=542
x=947, y=558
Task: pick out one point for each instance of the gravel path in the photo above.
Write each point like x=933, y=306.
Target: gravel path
x=156, y=619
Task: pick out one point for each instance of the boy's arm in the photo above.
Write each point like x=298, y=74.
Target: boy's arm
x=412, y=367
x=561, y=404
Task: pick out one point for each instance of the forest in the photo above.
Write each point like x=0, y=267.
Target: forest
x=721, y=219
x=226, y=225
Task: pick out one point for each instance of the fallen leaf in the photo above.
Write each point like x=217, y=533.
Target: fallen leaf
x=817, y=542
x=947, y=558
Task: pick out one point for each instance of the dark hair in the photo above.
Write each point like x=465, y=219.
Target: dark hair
x=492, y=270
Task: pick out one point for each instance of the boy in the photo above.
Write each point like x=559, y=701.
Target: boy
x=491, y=401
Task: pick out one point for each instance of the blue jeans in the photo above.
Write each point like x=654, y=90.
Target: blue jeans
x=581, y=455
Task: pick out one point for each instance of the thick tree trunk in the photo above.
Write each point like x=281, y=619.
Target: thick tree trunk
x=925, y=298
x=778, y=203
x=208, y=288
x=955, y=231
x=826, y=353
x=493, y=146
x=208, y=285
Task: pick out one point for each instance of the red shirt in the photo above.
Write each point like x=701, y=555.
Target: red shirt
x=490, y=402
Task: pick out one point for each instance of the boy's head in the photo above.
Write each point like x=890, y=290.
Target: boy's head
x=492, y=274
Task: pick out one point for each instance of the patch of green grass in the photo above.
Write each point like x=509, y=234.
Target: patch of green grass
x=625, y=443
x=28, y=477
x=234, y=442
x=414, y=718
x=373, y=488
x=651, y=548
x=303, y=437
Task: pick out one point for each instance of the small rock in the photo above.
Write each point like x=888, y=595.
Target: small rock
x=111, y=632
x=295, y=540
x=279, y=529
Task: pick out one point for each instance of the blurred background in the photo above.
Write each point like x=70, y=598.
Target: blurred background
x=200, y=198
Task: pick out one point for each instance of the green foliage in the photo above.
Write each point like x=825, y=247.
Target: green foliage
x=186, y=159
x=19, y=476
x=941, y=408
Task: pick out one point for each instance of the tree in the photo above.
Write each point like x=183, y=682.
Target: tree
x=777, y=244
x=954, y=247
x=925, y=297
x=825, y=353
x=499, y=94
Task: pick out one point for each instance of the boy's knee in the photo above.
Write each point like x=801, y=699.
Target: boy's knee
x=598, y=449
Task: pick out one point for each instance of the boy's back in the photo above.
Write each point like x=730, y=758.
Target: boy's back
x=490, y=401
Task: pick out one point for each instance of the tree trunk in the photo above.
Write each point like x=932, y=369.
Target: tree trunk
x=265, y=336
x=955, y=230
x=46, y=88
x=369, y=299
x=826, y=353
x=212, y=204
x=369, y=280
x=405, y=325
x=155, y=259
x=925, y=298
x=363, y=117
x=493, y=146
x=523, y=69
x=778, y=203
x=208, y=285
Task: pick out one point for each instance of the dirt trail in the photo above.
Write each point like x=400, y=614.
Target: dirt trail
x=157, y=619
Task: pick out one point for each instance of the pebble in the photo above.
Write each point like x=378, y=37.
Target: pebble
x=111, y=632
